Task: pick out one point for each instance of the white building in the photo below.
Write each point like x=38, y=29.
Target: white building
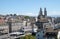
x=34, y=29
x=26, y=28
x=24, y=23
x=58, y=36
x=36, y=18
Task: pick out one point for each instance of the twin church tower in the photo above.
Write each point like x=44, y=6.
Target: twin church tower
x=42, y=14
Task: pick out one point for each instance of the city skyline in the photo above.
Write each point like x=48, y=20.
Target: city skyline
x=29, y=7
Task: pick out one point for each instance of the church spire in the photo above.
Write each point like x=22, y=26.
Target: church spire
x=40, y=12
x=45, y=12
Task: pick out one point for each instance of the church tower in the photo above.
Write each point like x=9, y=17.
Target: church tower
x=40, y=13
x=41, y=20
x=45, y=12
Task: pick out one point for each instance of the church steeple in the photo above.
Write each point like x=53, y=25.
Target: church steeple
x=45, y=12
x=40, y=12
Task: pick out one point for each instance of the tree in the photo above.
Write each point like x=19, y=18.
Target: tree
x=11, y=15
x=15, y=15
x=29, y=37
x=26, y=17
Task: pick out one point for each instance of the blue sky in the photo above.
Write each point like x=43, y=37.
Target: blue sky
x=29, y=7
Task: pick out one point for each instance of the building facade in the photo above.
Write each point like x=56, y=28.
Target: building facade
x=42, y=18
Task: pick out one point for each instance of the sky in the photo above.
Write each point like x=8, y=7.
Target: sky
x=29, y=7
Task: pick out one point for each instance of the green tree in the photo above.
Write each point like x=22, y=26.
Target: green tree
x=26, y=17
x=28, y=37
x=15, y=15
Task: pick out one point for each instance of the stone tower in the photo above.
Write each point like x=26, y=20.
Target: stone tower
x=42, y=18
x=40, y=13
x=45, y=12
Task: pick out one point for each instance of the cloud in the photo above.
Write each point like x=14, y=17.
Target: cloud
x=29, y=14
x=53, y=13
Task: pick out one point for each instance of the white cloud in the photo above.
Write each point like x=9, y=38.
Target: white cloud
x=53, y=13
x=29, y=14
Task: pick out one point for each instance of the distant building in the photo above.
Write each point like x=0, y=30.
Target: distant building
x=26, y=28
x=42, y=18
x=45, y=12
x=57, y=20
x=2, y=21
